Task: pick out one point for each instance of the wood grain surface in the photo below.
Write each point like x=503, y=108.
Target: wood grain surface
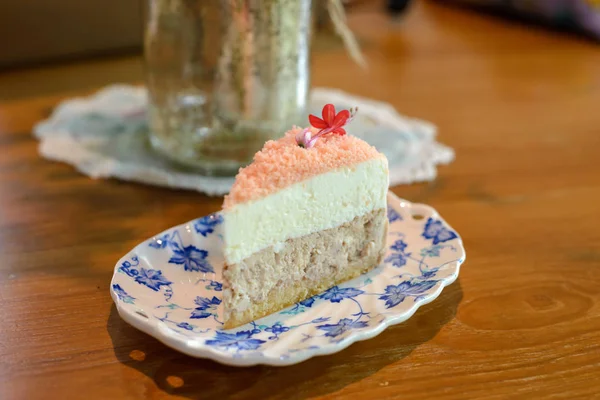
x=521, y=106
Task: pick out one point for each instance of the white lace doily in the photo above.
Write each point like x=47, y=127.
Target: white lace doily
x=105, y=135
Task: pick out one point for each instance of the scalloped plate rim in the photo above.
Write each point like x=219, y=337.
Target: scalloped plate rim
x=186, y=346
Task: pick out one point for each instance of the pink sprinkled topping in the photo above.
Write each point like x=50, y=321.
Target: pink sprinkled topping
x=282, y=163
x=331, y=123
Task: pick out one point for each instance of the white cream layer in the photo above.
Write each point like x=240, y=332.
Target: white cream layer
x=322, y=202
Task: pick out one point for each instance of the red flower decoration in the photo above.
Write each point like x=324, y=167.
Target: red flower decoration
x=331, y=123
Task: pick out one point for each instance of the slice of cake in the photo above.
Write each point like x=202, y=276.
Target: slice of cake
x=309, y=213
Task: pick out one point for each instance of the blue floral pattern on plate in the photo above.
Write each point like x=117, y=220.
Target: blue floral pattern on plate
x=170, y=287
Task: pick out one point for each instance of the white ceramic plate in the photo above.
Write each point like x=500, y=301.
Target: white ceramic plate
x=170, y=287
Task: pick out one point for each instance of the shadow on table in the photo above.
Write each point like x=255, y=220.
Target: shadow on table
x=181, y=375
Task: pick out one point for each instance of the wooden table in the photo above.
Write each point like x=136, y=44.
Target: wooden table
x=520, y=105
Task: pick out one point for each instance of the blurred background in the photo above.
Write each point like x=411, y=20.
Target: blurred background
x=68, y=29
x=34, y=31
x=52, y=32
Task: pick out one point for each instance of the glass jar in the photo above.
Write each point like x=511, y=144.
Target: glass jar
x=224, y=76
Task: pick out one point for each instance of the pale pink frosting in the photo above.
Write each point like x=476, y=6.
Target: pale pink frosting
x=282, y=163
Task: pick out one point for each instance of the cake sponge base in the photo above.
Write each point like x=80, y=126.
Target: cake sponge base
x=280, y=276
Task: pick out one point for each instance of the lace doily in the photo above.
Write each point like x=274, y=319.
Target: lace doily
x=105, y=135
